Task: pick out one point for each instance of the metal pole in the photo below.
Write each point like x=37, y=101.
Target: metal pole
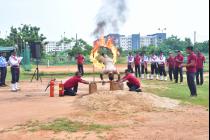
x=194, y=37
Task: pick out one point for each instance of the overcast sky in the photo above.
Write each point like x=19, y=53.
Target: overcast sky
x=54, y=17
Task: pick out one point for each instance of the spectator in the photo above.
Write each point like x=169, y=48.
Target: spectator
x=199, y=65
x=3, y=69
x=80, y=61
x=170, y=64
x=137, y=61
x=191, y=70
x=179, y=59
x=130, y=62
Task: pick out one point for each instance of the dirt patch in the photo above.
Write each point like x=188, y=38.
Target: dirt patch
x=124, y=102
x=133, y=116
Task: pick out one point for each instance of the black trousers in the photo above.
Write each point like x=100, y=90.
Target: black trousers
x=15, y=71
x=171, y=73
x=130, y=68
x=176, y=74
x=143, y=69
x=137, y=70
x=3, y=74
x=154, y=68
x=191, y=83
x=132, y=87
x=199, y=76
x=80, y=68
x=162, y=70
x=71, y=91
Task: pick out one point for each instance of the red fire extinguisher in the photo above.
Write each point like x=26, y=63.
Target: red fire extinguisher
x=52, y=84
x=61, y=89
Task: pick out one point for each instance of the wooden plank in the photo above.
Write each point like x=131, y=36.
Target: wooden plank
x=92, y=88
x=116, y=86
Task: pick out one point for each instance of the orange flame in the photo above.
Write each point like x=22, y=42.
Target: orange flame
x=101, y=43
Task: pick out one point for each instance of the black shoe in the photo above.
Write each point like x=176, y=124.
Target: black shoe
x=138, y=90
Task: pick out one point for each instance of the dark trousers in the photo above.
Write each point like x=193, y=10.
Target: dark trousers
x=171, y=73
x=199, y=76
x=191, y=83
x=15, y=74
x=176, y=74
x=130, y=68
x=71, y=91
x=143, y=69
x=137, y=70
x=80, y=68
x=162, y=70
x=132, y=87
x=3, y=73
x=154, y=68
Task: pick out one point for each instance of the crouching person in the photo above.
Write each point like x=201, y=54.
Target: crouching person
x=71, y=85
x=133, y=83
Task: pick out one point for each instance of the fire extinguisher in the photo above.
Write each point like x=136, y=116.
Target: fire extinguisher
x=61, y=89
x=52, y=84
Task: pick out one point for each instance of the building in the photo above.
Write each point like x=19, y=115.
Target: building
x=54, y=46
x=135, y=41
x=152, y=40
x=125, y=42
x=115, y=38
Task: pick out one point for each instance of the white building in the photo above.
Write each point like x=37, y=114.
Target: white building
x=126, y=42
x=146, y=41
x=54, y=46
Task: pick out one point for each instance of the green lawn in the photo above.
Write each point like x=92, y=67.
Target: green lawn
x=178, y=91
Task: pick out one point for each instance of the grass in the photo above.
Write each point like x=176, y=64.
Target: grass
x=178, y=91
x=64, y=124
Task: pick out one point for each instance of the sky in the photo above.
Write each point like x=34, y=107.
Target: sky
x=58, y=18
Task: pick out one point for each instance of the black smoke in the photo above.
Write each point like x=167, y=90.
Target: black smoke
x=110, y=17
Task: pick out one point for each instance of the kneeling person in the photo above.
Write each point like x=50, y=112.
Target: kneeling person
x=133, y=83
x=71, y=85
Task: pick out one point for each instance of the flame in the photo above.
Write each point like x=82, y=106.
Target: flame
x=101, y=43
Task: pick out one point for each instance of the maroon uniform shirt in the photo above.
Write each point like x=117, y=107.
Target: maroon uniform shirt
x=170, y=62
x=80, y=59
x=73, y=81
x=137, y=60
x=132, y=79
x=200, y=60
x=180, y=58
x=190, y=58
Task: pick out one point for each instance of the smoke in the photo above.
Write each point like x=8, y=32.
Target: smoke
x=110, y=17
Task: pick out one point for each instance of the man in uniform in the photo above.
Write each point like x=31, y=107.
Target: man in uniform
x=137, y=61
x=179, y=59
x=154, y=66
x=161, y=66
x=170, y=64
x=144, y=61
x=80, y=61
x=3, y=69
x=199, y=65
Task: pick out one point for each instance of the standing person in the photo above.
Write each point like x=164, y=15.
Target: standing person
x=71, y=85
x=179, y=59
x=154, y=66
x=133, y=83
x=137, y=61
x=191, y=70
x=144, y=61
x=3, y=69
x=170, y=64
x=80, y=61
x=14, y=61
x=130, y=62
x=161, y=66
x=199, y=65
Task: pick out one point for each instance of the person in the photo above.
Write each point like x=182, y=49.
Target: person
x=71, y=85
x=3, y=69
x=154, y=66
x=137, y=61
x=144, y=61
x=179, y=59
x=14, y=62
x=199, y=72
x=161, y=66
x=109, y=69
x=80, y=61
x=170, y=64
x=130, y=62
x=191, y=70
x=133, y=83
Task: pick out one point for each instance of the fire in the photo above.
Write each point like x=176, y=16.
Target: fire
x=101, y=43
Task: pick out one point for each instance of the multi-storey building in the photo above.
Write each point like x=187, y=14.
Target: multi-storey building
x=53, y=46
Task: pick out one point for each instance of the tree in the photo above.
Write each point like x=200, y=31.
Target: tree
x=26, y=33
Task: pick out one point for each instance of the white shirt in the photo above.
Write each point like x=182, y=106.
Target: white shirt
x=130, y=59
x=109, y=64
x=154, y=59
x=14, y=60
x=161, y=59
